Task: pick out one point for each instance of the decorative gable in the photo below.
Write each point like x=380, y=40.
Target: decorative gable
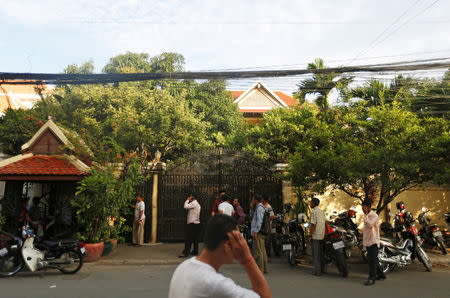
x=49, y=139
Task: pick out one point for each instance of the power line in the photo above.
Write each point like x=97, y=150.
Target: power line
x=130, y=77
x=385, y=30
x=408, y=21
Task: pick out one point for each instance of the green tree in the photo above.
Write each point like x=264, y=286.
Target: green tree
x=85, y=68
x=432, y=98
x=16, y=128
x=128, y=63
x=277, y=137
x=213, y=104
x=320, y=85
x=385, y=148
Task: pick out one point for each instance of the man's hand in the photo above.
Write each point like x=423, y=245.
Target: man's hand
x=239, y=247
x=255, y=235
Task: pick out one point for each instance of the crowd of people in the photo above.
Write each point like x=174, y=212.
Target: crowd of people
x=199, y=276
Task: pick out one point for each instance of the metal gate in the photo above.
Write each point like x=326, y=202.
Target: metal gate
x=174, y=190
x=204, y=175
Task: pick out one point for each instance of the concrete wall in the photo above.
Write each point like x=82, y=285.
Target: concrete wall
x=434, y=198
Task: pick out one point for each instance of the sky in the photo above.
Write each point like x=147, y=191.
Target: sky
x=46, y=36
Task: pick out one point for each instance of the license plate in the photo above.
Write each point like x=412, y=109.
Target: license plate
x=437, y=234
x=83, y=250
x=287, y=246
x=274, y=230
x=3, y=252
x=338, y=245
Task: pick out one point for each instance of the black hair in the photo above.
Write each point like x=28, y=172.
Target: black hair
x=367, y=203
x=258, y=198
x=226, y=198
x=315, y=201
x=217, y=229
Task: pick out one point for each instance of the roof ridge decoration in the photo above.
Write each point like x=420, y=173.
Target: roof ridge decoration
x=56, y=131
x=15, y=159
x=77, y=163
x=258, y=85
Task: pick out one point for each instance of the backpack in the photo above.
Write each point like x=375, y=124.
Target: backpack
x=265, y=226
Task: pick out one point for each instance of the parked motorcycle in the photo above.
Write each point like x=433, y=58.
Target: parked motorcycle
x=296, y=246
x=246, y=232
x=403, y=254
x=430, y=232
x=65, y=255
x=447, y=233
x=351, y=235
x=334, y=250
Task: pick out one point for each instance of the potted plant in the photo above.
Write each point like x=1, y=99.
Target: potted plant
x=100, y=197
x=92, y=201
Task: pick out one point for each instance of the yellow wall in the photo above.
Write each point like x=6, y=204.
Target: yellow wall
x=435, y=199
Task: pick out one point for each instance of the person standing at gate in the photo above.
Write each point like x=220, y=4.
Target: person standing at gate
x=192, y=228
x=217, y=202
x=139, y=221
x=259, y=250
x=371, y=241
x=239, y=214
x=225, y=207
x=268, y=238
x=317, y=234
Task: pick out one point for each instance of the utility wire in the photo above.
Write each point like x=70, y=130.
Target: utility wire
x=130, y=77
x=384, y=31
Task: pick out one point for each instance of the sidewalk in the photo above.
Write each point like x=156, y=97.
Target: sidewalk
x=167, y=254
x=148, y=254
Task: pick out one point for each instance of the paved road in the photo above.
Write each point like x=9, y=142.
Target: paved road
x=285, y=281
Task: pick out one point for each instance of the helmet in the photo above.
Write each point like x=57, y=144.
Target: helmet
x=408, y=216
x=400, y=205
x=301, y=218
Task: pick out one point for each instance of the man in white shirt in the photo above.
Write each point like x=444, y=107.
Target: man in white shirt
x=193, y=227
x=317, y=234
x=226, y=207
x=199, y=276
x=139, y=221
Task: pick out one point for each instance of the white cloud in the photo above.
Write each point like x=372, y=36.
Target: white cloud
x=217, y=34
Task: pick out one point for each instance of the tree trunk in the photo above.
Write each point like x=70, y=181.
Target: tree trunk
x=387, y=213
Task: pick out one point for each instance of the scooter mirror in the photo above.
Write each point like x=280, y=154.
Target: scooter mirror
x=424, y=209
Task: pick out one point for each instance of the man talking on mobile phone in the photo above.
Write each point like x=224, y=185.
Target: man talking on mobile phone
x=199, y=276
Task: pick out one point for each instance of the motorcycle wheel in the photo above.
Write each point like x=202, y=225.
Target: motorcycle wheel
x=292, y=256
x=341, y=264
x=385, y=267
x=11, y=265
x=441, y=245
x=277, y=246
x=421, y=255
x=75, y=259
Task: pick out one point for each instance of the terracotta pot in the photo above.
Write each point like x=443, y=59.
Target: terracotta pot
x=94, y=251
x=114, y=242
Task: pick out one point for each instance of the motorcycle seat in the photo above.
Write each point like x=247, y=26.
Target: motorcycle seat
x=55, y=243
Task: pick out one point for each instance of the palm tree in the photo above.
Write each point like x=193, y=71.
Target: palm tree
x=320, y=85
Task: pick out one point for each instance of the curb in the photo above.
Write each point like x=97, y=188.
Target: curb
x=134, y=262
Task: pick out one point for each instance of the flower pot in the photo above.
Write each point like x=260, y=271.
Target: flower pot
x=107, y=248
x=114, y=242
x=94, y=251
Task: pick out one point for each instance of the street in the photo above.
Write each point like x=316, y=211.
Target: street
x=285, y=281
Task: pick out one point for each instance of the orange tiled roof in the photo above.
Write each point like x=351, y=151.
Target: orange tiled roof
x=19, y=96
x=40, y=165
x=288, y=100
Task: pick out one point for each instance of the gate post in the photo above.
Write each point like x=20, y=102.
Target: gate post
x=157, y=167
x=154, y=206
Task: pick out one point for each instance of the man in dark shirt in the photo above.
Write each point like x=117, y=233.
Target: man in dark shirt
x=217, y=202
x=238, y=212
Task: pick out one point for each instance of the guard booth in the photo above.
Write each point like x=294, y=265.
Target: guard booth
x=205, y=174
x=46, y=168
